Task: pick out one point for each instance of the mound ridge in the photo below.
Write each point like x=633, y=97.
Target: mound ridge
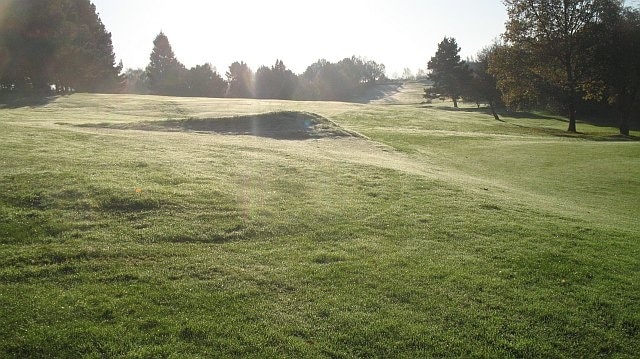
x=286, y=125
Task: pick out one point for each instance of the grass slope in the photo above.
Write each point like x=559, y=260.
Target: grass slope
x=438, y=233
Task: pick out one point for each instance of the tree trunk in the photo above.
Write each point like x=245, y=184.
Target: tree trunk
x=572, y=117
x=624, y=131
x=493, y=111
x=625, y=110
x=572, y=89
x=624, y=125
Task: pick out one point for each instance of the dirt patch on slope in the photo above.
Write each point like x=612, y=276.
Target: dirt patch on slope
x=286, y=125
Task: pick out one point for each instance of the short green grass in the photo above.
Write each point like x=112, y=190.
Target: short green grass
x=439, y=233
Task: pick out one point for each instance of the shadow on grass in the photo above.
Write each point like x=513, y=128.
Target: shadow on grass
x=13, y=101
x=501, y=113
x=285, y=125
x=545, y=130
x=583, y=136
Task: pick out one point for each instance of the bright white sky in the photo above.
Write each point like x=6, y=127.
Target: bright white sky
x=397, y=33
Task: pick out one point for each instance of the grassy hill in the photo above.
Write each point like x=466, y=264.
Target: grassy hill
x=132, y=226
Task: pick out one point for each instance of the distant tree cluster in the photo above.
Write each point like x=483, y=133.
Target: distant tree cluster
x=55, y=46
x=408, y=75
x=345, y=79
x=165, y=75
x=240, y=79
x=323, y=80
x=276, y=82
x=457, y=79
x=568, y=56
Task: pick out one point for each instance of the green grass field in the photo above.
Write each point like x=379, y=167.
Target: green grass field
x=430, y=233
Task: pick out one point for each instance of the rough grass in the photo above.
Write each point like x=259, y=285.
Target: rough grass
x=439, y=234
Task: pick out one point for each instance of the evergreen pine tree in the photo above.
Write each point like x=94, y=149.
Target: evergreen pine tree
x=85, y=60
x=449, y=73
x=59, y=43
x=166, y=74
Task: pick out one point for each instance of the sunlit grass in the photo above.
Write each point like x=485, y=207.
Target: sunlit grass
x=445, y=233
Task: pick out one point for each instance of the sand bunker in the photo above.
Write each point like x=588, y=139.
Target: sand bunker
x=289, y=125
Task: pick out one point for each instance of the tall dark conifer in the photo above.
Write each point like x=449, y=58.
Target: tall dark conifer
x=166, y=74
x=86, y=60
x=449, y=73
x=55, y=44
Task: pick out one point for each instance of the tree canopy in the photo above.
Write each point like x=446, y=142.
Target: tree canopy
x=323, y=80
x=240, y=79
x=449, y=74
x=546, y=57
x=56, y=45
x=166, y=74
x=276, y=82
x=341, y=81
x=483, y=86
x=62, y=46
x=613, y=68
x=205, y=81
x=570, y=55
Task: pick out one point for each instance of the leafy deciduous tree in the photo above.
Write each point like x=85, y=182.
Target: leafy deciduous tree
x=483, y=84
x=373, y=72
x=407, y=74
x=544, y=38
x=204, y=81
x=614, y=66
x=341, y=81
x=276, y=82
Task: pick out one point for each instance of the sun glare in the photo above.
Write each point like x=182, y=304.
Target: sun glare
x=398, y=34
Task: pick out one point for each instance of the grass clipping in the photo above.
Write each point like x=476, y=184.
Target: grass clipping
x=285, y=125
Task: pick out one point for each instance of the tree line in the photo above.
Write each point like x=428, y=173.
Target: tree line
x=62, y=46
x=323, y=80
x=577, y=57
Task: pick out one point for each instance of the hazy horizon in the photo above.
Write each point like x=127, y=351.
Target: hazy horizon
x=401, y=34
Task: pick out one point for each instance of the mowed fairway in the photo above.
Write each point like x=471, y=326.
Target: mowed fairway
x=435, y=233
